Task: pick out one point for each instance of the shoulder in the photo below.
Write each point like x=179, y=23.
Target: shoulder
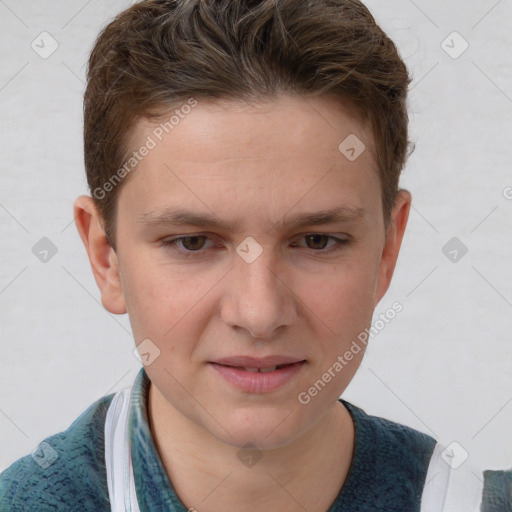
x=497, y=495
x=390, y=464
x=413, y=456
x=66, y=470
x=391, y=437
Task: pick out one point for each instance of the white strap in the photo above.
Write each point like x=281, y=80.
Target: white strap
x=120, y=480
x=451, y=490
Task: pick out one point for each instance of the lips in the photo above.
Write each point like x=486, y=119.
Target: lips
x=258, y=375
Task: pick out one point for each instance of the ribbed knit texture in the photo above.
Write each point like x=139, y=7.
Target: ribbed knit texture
x=497, y=495
x=75, y=481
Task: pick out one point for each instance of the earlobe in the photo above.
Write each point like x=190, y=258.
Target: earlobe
x=394, y=236
x=102, y=257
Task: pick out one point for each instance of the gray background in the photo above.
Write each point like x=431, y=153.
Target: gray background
x=443, y=365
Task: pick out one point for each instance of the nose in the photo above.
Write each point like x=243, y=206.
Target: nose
x=257, y=297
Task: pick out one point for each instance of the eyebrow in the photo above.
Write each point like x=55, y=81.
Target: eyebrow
x=184, y=217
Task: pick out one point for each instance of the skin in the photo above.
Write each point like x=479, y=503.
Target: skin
x=257, y=164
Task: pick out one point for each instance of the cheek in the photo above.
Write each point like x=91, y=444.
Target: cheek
x=343, y=302
x=148, y=298
x=163, y=305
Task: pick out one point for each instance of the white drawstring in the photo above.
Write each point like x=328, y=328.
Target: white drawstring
x=118, y=460
x=451, y=490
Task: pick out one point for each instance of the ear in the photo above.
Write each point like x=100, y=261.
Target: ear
x=394, y=235
x=102, y=256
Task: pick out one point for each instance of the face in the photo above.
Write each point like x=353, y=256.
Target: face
x=284, y=270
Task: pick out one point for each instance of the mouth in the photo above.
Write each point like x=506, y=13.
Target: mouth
x=258, y=362
x=258, y=369
x=258, y=376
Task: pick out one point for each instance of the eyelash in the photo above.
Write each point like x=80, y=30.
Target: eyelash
x=171, y=244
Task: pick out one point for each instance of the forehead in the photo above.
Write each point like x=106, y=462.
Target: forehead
x=279, y=147
x=231, y=126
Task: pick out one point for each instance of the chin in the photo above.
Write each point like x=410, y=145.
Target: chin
x=266, y=430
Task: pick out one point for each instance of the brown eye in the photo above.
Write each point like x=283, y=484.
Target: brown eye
x=186, y=244
x=193, y=243
x=317, y=241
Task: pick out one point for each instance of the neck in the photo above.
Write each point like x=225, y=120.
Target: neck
x=207, y=474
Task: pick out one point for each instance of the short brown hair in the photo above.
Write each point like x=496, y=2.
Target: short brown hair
x=158, y=54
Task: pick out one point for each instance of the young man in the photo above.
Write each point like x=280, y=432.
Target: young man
x=243, y=159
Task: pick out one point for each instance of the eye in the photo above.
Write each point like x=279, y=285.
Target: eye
x=191, y=243
x=318, y=241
